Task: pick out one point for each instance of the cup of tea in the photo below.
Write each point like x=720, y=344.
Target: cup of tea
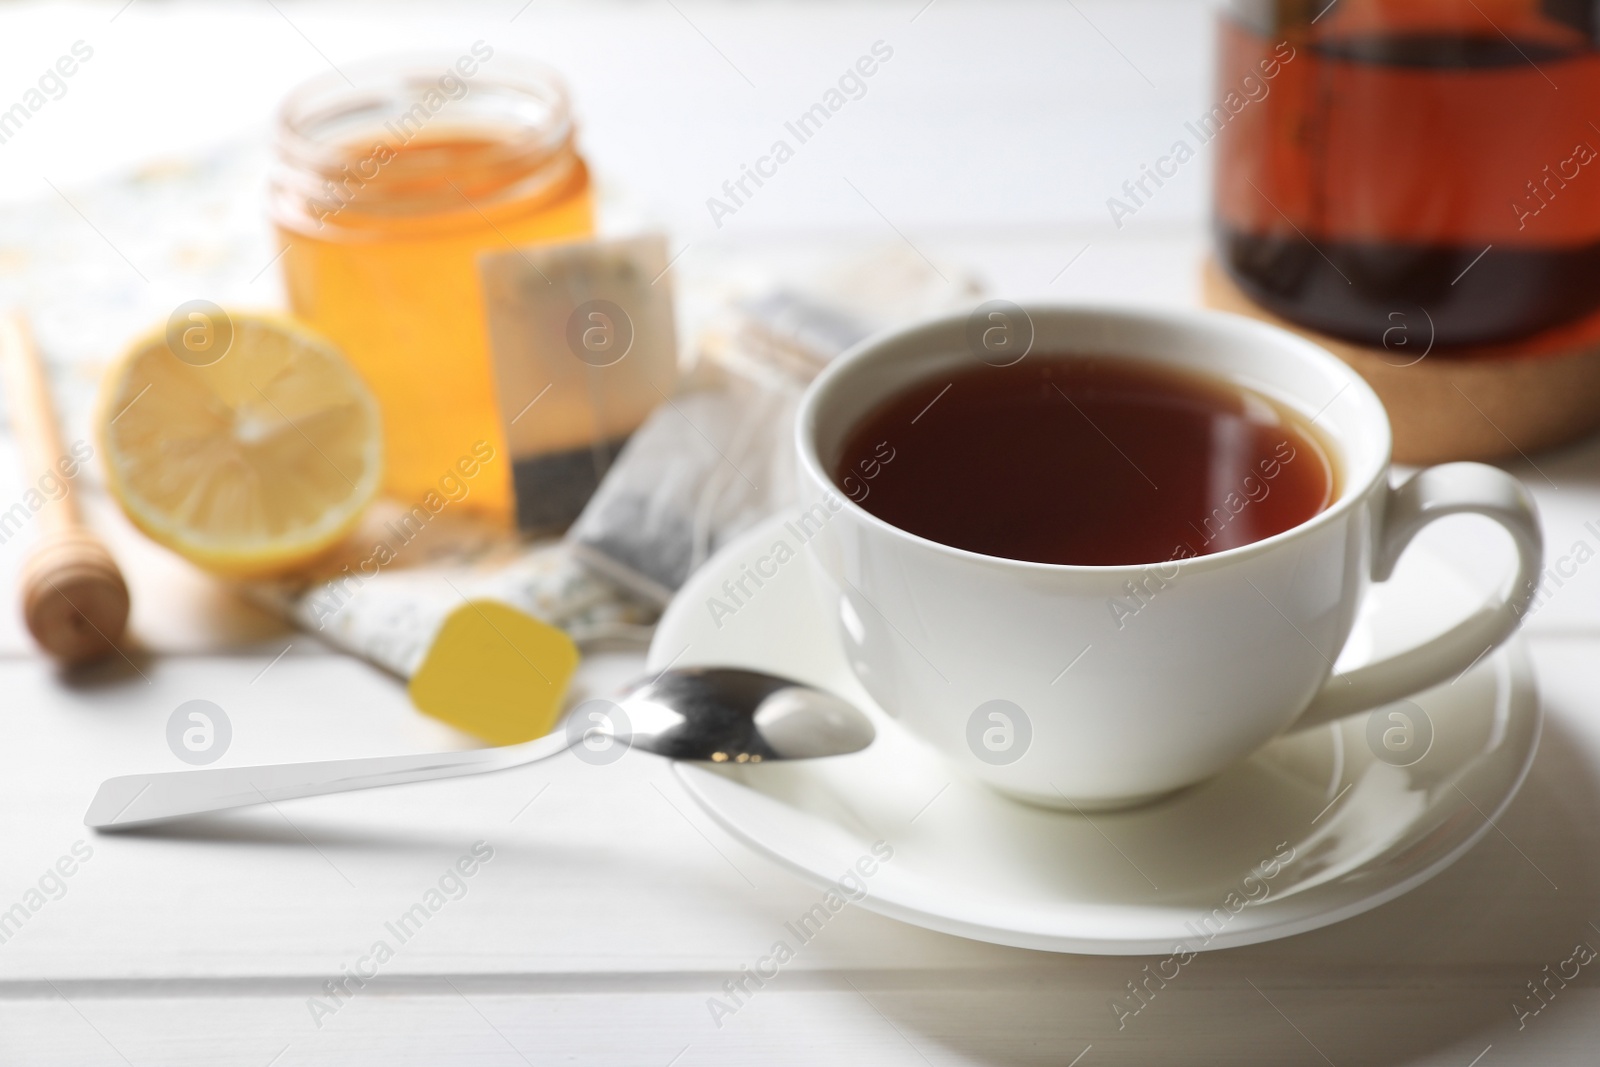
x=1097, y=554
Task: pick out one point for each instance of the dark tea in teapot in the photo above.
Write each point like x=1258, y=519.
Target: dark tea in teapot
x=1429, y=166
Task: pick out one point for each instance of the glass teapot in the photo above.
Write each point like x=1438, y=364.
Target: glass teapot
x=1381, y=158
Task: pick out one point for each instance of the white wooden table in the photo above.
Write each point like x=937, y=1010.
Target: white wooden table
x=611, y=909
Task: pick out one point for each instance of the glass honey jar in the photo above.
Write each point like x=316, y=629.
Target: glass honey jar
x=392, y=177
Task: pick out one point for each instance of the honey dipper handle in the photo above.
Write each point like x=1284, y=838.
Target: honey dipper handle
x=33, y=420
x=74, y=599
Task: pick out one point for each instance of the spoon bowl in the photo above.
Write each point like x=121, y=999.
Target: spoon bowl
x=724, y=714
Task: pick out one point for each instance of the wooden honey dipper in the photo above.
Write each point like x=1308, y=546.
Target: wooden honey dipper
x=73, y=597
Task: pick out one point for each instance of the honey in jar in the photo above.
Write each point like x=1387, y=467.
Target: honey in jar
x=390, y=183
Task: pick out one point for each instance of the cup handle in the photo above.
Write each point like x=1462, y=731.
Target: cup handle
x=1448, y=489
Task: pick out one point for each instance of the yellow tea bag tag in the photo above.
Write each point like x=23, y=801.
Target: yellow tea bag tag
x=496, y=673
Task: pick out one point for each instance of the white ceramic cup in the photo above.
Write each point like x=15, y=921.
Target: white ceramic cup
x=1021, y=673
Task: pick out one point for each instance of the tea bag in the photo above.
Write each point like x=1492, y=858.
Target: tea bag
x=701, y=469
x=717, y=458
x=584, y=347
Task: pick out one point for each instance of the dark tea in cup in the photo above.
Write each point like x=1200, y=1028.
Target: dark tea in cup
x=1086, y=460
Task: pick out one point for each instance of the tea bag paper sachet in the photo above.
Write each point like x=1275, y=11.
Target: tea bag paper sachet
x=584, y=348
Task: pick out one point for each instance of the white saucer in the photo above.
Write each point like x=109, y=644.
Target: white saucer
x=1196, y=868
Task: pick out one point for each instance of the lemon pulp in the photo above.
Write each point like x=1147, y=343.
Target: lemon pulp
x=251, y=465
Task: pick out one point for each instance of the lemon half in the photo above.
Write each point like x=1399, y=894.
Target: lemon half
x=251, y=465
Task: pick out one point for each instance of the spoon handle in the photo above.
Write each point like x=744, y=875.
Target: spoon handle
x=141, y=799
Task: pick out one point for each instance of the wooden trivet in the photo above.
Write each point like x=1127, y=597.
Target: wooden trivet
x=1485, y=403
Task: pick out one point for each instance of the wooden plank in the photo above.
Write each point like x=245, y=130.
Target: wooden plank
x=596, y=869
x=859, y=1018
